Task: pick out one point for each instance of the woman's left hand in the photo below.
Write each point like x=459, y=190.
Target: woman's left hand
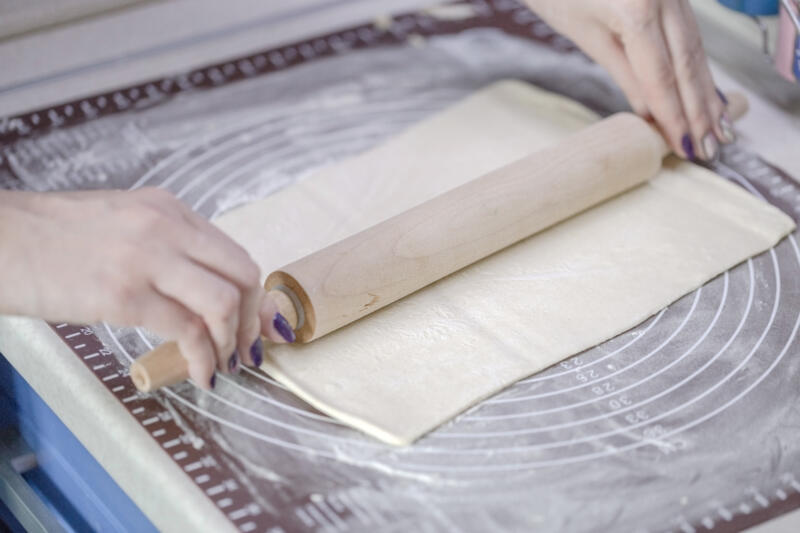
x=653, y=50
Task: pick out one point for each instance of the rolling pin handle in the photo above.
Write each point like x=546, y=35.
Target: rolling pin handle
x=162, y=366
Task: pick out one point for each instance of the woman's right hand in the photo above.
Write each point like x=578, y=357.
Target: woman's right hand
x=135, y=258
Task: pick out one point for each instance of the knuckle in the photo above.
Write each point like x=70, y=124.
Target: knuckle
x=118, y=261
x=114, y=287
x=637, y=14
x=228, y=300
x=251, y=274
x=194, y=330
x=699, y=121
x=144, y=220
x=251, y=327
x=664, y=75
x=690, y=60
x=640, y=107
x=116, y=281
x=247, y=272
x=124, y=291
x=716, y=108
x=157, y=194
x=200, y=240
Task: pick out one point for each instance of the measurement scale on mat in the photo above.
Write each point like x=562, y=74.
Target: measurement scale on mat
x=626, y=388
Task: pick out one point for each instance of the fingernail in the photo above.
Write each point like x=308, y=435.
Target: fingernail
x=722, y=96
x=710, y=146
x=688, y=147
x=233, y=361
x=283, y=327
x=727, y=128
x=257, y=352
x=213, y=380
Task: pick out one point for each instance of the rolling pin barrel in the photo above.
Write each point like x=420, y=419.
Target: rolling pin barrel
x=371, y=269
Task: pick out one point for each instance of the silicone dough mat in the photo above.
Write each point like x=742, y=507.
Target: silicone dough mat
x=414, y=365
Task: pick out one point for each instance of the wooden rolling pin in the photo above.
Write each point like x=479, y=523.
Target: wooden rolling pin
x=371, y=269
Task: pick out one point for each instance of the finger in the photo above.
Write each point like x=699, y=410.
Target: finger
x=171, y=320
x=232, y=261
x=650, y=61
x=221, y=254
x=200, y=239
x=691, y=74
x=274, y=326
x=715, y=100
x=249, y=341
x=606, y=50
x=228, y=259
x=211, y=246
x=209, y=296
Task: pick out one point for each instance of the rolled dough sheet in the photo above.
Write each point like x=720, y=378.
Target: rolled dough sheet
x=416, y=364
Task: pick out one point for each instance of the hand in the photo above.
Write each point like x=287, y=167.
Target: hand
x=653, y=50
x=133, y=258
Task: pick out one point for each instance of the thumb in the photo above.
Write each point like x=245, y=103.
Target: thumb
x=274, y=325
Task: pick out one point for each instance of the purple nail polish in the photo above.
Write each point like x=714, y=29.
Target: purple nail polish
x=283, y=327
x=722, y=96
x=688, y=147
x=257, y=352
x=213, y=381
x=233, y=361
